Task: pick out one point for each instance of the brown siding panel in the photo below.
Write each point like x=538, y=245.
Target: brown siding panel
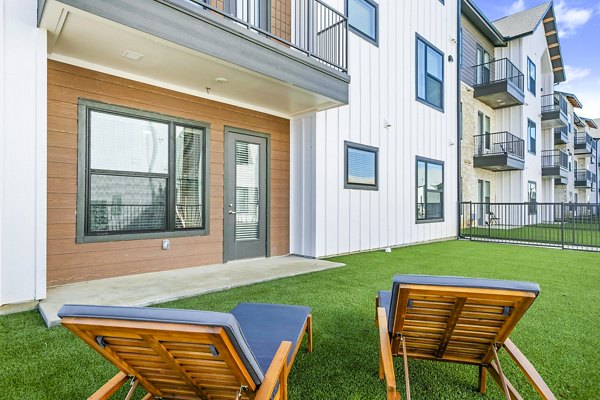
x=68, y=261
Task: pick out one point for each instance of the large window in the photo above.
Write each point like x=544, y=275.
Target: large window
x=531, y=76
x=532, y=136
x=140, y=174
x=363, y=18
x=430, y=190
x=430, y=74
x=360, y=166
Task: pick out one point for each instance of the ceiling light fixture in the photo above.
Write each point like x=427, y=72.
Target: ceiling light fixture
x=133, y=56
x=221, y=80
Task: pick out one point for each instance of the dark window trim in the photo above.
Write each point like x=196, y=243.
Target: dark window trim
x=364, y=147
x=441, y=53
x=529, y=64
x=429, y=161
x=375, y=40
x=84, y=108
x=530, y=124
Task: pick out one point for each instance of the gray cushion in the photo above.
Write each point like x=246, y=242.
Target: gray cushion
x=265, y=326
x=169, y=315
x=455, y=281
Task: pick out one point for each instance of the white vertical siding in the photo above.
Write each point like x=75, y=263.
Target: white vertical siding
x=22, y=153
x=383, y=89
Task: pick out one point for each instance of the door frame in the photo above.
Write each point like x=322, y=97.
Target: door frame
x=233, y=130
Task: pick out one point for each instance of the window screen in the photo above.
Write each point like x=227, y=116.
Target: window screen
x=361, y=166
x=363, y=18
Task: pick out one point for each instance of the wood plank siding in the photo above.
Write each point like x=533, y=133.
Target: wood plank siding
x=471, y=38
x=68, y=261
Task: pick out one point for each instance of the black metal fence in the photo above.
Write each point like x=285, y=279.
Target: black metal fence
x=499, y=143
x=499, y=71
x=315, y=28
x=561, y=225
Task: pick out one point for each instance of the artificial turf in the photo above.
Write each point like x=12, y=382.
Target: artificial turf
x=559, y=334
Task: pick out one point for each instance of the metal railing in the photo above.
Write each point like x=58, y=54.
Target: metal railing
x=561, y=134
x=499, y=143
x=554, y=102
x=562, y=225
x=311, y=26
x=555, y=158
x=583, y=178
x=583, y=139
x=499, y=71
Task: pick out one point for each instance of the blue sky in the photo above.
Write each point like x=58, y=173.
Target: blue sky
x=579, y=33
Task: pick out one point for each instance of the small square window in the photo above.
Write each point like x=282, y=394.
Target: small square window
x=363, y=18
x=360, y=169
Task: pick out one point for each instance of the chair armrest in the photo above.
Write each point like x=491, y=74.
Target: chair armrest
x=110, y=387
x=385, y=354
x=277, y=372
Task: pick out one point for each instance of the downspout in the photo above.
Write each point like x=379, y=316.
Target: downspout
x=458, y=116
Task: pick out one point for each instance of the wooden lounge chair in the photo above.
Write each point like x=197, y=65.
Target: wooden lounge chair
x=186, y=354
x=454, y=319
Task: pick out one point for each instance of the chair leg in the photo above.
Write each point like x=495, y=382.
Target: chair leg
x=406, y=379
x=309, y=331
x=482, y=379
x=502, y=377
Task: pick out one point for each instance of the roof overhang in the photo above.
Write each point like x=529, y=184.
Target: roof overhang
x=474, y=14
x=551, y=32
x=590, y=122
x=572, y=99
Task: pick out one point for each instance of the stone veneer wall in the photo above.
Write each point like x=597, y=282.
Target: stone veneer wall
x=470, y=175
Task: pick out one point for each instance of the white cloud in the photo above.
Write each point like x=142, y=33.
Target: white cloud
x=515, y=7
x=576, y=73
x=570, y=19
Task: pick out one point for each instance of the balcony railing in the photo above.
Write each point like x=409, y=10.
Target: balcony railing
x=499, y=71
x=583, y=178
x=554, y=102
x=561, y=135
x=583, y=143
x=499, y=143
x=555, y=158
x=314, y=28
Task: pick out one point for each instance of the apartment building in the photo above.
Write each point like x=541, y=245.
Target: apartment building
x=147, y=135
x=585, y=150
x=510, y=110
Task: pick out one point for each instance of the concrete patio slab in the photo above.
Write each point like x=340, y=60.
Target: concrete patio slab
x=158, y=287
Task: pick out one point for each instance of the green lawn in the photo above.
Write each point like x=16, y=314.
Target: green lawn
x=559, y=334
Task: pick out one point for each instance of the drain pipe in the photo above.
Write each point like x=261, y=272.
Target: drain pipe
x=458, y=117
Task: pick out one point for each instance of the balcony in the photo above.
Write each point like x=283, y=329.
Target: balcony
x=583, y=143
x=500, y=151
x=554, y=111
x=584, y=178
x=499, y=84
x=283, y=57
x=555, y=165
x=561, y=135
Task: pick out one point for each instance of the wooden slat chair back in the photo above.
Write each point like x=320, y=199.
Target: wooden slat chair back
x=452, y=319
x=181, y=360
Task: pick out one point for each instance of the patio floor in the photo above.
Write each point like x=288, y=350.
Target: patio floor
x=158, y=287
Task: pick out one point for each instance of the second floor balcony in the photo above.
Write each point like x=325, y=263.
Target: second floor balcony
x=499, y=84
x=561, y=135
x=583, y=143
x=283, y=56
x=555, y=165
x=554, y=111
x=584, y=178
x=500, y=151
